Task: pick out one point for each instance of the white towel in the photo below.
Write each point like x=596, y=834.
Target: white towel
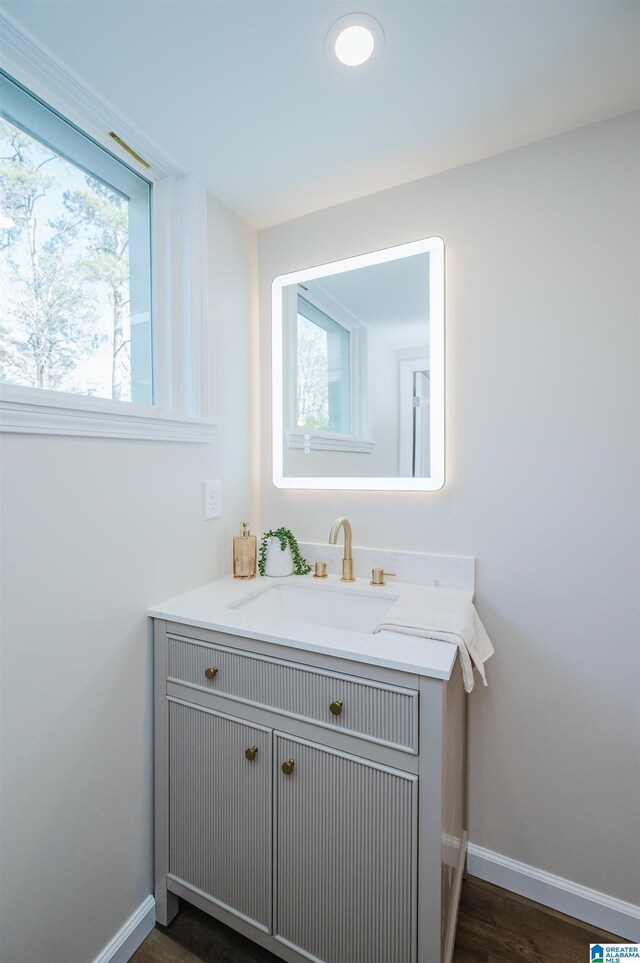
x=447, y=620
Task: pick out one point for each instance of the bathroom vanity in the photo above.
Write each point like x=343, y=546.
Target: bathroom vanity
x=310, y=778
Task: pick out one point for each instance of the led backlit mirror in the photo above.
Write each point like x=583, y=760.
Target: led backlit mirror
x=358, y=372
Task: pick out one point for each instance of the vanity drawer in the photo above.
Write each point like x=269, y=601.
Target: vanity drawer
x=381, y=713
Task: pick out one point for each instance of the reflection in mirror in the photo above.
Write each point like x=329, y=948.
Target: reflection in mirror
x=358, y=372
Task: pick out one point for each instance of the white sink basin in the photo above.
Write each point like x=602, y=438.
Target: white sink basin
x=337, y=608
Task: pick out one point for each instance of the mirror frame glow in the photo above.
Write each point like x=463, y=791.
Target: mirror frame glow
x=434, y=246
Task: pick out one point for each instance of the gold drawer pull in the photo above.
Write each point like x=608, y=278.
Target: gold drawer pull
x=211, y=673
x=336, y=707
x=251, y=753
x=287, y=767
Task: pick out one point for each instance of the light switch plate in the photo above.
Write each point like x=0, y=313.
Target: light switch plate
x=211, y=499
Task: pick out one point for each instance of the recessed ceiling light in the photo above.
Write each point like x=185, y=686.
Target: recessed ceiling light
x=354, y=45
x=354, y=39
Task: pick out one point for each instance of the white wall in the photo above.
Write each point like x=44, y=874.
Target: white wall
x=543, y=479
x=93, y=532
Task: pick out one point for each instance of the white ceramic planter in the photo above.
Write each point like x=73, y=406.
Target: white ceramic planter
x=278, y=562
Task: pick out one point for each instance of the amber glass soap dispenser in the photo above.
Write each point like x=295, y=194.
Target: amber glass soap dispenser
x=244, y=554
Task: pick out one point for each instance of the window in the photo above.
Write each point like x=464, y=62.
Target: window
x=75, y=259
x=128, y=355
x=323, y=388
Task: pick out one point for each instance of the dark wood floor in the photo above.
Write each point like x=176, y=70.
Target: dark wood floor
x=494, y=926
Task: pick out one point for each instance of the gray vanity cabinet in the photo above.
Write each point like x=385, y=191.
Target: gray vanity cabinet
x=314, y=803
x=345, y=851
x=220, y=809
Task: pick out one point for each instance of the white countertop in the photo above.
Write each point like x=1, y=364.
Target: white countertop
x=208, y=608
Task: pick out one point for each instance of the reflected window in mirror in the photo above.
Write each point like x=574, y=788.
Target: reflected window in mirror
x=322, y=360
x=325, y=404
x=358, y=372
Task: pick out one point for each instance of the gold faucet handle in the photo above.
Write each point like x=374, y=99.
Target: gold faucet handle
x=377, y=576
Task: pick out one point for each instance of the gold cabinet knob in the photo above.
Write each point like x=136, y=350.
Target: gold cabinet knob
x=211, y=673
x=251, y=753
x=336, y=707
x=287, y=767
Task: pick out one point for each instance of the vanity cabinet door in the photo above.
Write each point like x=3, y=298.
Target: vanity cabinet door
x=345, y=851
x=220, y=799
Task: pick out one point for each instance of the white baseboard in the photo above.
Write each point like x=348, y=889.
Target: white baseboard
x=131, y=935
x=590, y=906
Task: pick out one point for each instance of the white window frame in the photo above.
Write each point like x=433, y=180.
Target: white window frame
x=182, y=389
x=358, y=439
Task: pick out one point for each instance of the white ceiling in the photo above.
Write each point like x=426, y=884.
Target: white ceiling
x=242, y=93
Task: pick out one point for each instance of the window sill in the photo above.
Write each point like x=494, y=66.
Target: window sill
x=328, y=441
x=31, y=411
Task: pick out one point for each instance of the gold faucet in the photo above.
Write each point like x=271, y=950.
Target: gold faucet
x=347, y=561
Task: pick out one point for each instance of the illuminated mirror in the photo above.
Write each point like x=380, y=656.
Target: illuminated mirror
x=358, y=372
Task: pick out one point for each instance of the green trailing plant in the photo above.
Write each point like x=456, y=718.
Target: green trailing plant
x=285, y=537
